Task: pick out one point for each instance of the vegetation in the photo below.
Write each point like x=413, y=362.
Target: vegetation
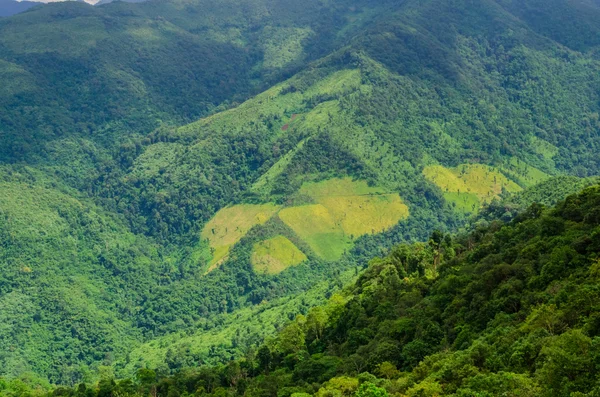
x=142, y=145
x=275, y=255
x=479, y=184
x=509, y=309
x=343, y=210
x=231, y=224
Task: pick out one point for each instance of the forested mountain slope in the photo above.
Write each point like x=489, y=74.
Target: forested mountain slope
x=102, y=74
x=168, y=163
x=510, y=309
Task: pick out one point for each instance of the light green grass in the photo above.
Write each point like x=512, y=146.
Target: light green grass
x=315, y=225
x=344, y=210
x=483, y=181
x=464, y=202
x=339, y=187
x=230, y=224
x=524, y=173
x=276, y=254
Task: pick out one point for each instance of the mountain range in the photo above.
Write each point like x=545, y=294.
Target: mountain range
x=179, y=177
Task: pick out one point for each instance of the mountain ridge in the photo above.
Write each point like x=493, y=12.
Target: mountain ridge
x=161, y=118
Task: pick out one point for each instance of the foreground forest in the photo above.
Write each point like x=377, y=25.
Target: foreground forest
x=181, y=178
x=508, y=309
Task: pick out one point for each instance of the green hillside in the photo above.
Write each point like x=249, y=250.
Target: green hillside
x=510, y=309
x=169, y=167
x=105, y=75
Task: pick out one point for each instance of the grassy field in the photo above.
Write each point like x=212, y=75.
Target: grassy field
x=344, y=210
x=338, y=187
x=469, y=185
x=463, y=202
x=523, y=173
x=358, y=215
x=315, y=225
x=276, y=254
x=230, y=224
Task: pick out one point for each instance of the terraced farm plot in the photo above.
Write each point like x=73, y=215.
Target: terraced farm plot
x=315, y=225
x=525, y=174
x=344, y=210
x=479, y=183
x=230, y=224
x=358, y=215
x=276, y=254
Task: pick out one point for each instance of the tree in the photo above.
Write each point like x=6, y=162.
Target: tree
x=368, y=389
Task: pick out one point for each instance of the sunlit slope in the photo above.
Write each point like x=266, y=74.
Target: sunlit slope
x=276, y=254
x=347, y=116
x=231, y=224
x=341, y=211
x=469, y=186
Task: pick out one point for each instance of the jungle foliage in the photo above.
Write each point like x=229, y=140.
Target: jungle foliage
x=126, y=129
x=509, y=309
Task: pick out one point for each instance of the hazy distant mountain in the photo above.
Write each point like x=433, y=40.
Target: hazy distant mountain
x=110, y=1
x=12, y=7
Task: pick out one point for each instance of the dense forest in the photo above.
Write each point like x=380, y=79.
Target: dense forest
x=181, y=178
x=508, y=309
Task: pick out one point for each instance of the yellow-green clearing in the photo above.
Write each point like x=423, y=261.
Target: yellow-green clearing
x=524, y=173
x=479, y=183
x=230, y=224
x=344, y=210
x=276, y=254
x=315, y=225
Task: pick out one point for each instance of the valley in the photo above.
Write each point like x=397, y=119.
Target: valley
x=180, y=179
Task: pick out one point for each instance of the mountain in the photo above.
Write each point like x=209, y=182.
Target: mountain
x=12, y=7
x=509, y=309
x=169, y=167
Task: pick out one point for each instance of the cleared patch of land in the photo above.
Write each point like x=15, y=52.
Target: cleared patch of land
x=230, y=224
x=358, y=215
x=344, y=210
x=524, y=173
x=479, y=183
x=315, y=225
x=276, y=254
